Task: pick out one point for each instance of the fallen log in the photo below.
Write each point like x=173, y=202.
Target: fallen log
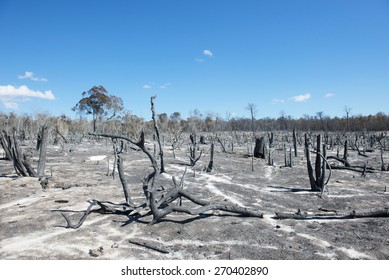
x=354, y=214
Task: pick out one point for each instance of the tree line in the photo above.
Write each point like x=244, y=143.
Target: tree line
x=109, y=116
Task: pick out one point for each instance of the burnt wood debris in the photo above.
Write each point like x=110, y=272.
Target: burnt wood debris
x=353, y=153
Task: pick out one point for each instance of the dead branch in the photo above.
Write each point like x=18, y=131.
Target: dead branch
x=60, y=134
x=106, y=207
x=149, y=246
x=336, y=167
x=345, y=162
x=69, y=224
x=162, y=209
x=221, y=144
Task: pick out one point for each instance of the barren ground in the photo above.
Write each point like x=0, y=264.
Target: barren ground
x=30, y=224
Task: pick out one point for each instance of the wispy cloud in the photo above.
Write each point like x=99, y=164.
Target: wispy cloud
x=30, y=75
x=147, y=86
x=165, y=85
x=329, y=95
x=10, y=95
x=207, y=53
x=199, y=60
x=11, y=105
x=301, y=98
x=278, y=101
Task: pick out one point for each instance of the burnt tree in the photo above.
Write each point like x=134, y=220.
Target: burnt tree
x=42, y=151
x=317, y=175
x=260, y=148
x=210, y=164
x=5, y=141
x=157, y=134
x=193, y=149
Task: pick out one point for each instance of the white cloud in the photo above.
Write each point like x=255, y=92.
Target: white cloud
x=199, y=60
x=23, y=91
x=147, y=86
x=328, y=95
x=9, y=95
x=11, y=105
x=301, y=98
x=30, y=75
x=278, y=101
x=207, y=53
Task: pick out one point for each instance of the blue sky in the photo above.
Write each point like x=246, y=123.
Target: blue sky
x=299, y=57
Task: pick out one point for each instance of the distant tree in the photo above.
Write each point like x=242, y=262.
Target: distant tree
x=176, y=116
x=253, y=113
x=282, y=120
x=163, y=120
x=320, y=116
x=347, y=110
x=99, y=104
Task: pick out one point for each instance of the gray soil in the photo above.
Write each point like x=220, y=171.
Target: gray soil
x=31, y=226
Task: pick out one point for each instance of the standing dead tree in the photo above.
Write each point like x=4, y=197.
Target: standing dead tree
x=343, y=160
x=157, y=134
x=295, y=143
x=288, y=160
x=42, y=151
x=6, y=143
x=21, y=160
x=317, y=176
x=270, y=135
x=346, y=164
x=260, y=148
x=193, y=149
x=382, y=162
x=122, y=177
x=210, y=164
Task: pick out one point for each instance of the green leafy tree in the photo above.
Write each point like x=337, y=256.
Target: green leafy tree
x=98, y=103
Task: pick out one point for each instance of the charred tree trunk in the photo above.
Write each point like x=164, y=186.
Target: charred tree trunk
x=193, y=149
x=222, y=145
x=345, y=154
x=271, y=139
x=260, y=148
x=42, y=152
x=210, y=165
x=295, y=142
x=382, y=161
x=6, y=144
x=317, y=178
x=123, y=180
x=157, y=134
x=17, y=157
